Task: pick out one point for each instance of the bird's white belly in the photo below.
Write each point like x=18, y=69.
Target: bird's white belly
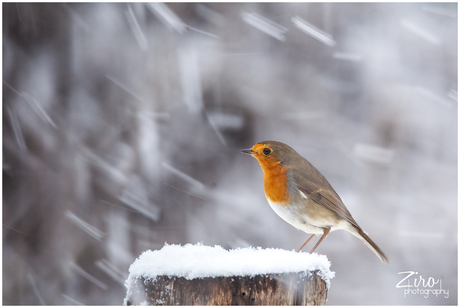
x=294, y=217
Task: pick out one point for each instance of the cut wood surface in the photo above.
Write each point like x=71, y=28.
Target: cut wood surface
x=268, y=289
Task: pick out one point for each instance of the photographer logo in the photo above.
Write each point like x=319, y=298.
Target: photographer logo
x=414, y=284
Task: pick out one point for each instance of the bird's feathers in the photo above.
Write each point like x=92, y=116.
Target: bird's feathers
x=326, y=197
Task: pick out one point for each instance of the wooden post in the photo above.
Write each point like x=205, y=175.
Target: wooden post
x=268, y=289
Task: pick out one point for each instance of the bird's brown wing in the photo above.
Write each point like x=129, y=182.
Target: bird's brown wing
x=326, y=197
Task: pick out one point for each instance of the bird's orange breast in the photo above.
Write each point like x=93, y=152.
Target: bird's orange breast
x=275, y=181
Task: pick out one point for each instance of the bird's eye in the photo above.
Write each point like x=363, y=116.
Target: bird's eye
x=267, y=151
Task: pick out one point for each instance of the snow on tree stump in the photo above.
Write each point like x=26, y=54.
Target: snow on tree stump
x=203, y=275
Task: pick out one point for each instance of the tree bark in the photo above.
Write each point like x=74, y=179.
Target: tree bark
x=268, y=289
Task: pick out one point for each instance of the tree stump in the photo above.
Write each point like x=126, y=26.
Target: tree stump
x=196, y=280
x=270, y=289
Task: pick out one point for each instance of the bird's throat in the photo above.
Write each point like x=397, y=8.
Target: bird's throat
x=275, y=183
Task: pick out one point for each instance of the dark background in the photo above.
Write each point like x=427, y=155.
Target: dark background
x=122, y=125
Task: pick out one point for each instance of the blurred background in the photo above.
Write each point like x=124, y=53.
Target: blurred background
x=122, y=125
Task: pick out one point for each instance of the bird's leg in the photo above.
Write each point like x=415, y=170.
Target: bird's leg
x=305, y=244
x=325, y=233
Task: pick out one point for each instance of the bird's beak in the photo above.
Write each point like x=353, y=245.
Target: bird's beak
x=248, y=151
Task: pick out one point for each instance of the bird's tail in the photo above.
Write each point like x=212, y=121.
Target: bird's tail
x=372, y=246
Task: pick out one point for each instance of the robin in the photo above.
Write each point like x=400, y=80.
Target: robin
x=302, y=196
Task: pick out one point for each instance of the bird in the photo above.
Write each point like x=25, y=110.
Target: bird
x=301, y=195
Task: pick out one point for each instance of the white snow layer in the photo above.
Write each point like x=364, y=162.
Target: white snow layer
x=199, y=261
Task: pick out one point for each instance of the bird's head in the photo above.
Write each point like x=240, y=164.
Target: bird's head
x=272, y=153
